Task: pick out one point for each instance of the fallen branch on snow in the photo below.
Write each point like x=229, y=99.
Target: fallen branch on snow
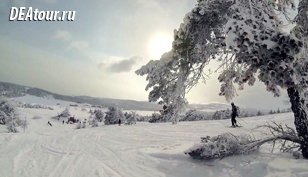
x=228, y=144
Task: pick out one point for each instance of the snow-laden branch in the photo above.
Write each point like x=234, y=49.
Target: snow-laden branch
x=228, y=144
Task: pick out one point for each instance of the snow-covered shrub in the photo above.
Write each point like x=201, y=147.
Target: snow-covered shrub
x=113, y=115
x=166, y=115
x=222, y=114
x=33, y=106
x=24, y=124
x=66, y=112
x=84, y=123
x=79, y=125
x=6, y=111
x=99, y=115
x=220, y=146
x=194, y=115
x=94, y=123
x=159, y=118
x=83, y=109
x=36, y=117
x=228, y=144
x=11, y=125
x=3, y=118
x=143, y=118
x=131, y=118
x=8, y=116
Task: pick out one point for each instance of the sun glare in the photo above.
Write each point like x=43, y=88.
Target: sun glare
x=159, y=45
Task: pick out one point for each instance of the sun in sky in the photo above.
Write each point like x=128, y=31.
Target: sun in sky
x=159, y=45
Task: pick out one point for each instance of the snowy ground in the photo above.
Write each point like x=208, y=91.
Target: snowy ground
x=137, y=150
x=50, y=101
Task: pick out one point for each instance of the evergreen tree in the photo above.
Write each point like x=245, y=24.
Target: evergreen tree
x=24, y=124
x=131, y=118
x=91, y=112
x=218, y=115
x=156, y=118
x=6, y=111
x=66, y=112
x=11, y=125
x=194, y=115
x=99, y=115
x=113, y=115
x=94, y=123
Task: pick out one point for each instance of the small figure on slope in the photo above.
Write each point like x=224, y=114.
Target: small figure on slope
x=233, y=115
x=119, y=122
x=49, y=123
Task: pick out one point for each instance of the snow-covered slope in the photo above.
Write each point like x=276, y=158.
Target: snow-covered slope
x=49, y=101
x=137, y=150
x=13, y=91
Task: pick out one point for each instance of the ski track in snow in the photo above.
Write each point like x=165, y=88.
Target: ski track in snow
x=137, y=150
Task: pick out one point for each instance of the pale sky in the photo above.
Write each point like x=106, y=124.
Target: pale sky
x=98, y=53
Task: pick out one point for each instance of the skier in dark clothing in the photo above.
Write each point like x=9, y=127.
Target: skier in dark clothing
x=49, y=123
x=119, y=122
x=233, y=115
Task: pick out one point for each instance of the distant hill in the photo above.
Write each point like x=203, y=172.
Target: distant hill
x=13, y=90
x=209, y=107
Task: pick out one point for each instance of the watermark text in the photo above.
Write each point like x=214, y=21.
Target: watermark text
x=28, y=14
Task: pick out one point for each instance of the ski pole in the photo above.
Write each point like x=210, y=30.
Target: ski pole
x=243, y=120
x=238, y=123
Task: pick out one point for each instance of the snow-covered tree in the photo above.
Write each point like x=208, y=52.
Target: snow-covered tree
x=99, y=115
x=11, y=125
x=24, y=124
x=79, y=125
x=113, y=115
x=246, y=37
x=84, y=123
x=94, y=123
x=271, y=112
x=222, y=114
x=131, y=118
x=8, y=116
x=91, y=112
x=165, y=115
x=66, y=112
x=156, y=118
x=194, y=115
x=6, y=111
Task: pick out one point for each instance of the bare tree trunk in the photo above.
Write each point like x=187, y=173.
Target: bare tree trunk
x=299, y=108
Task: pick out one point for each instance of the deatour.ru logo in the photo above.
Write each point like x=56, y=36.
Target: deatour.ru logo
x=23, y=14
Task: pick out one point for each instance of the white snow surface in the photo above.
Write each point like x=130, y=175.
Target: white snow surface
x=143, y=149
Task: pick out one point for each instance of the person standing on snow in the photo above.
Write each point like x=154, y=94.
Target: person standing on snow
x=233, y=115
x=119, y=122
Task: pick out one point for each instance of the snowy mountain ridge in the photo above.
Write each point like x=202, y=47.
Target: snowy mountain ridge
x=10, y=90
